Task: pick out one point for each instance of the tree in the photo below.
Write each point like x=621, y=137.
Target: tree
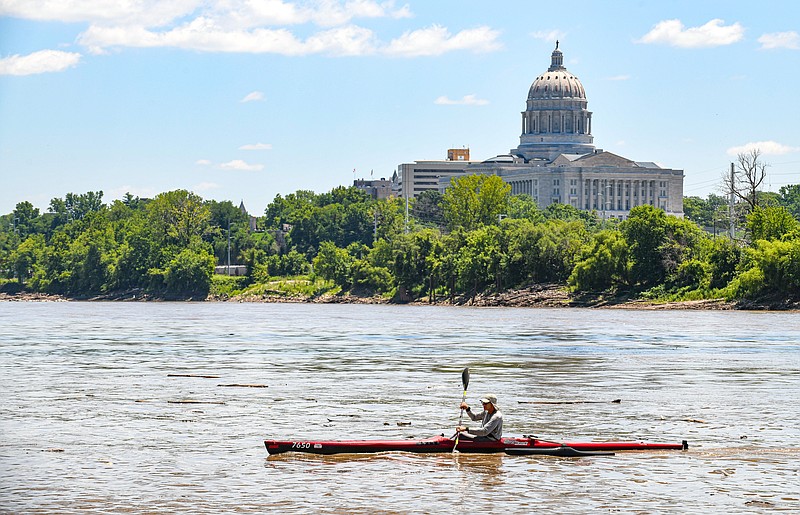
x=603, y=263
x=23, y=220
x=179, y=217
x=189, y=273
x=78, y=206
x=658, y=244
x=334, y=264
x=523, y=207
x=748, y=176
x=645, y=231
x=472, y=201
x=771, y=223
x=790, y=199
x=24, y=258
x=428, y=207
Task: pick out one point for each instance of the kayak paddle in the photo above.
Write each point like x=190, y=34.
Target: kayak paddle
x=465, y=382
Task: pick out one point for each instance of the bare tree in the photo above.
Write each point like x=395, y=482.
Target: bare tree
x=748, y=176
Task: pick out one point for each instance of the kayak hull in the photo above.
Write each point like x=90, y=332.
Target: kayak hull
x=516, y=445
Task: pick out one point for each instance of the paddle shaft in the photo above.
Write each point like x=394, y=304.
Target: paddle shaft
x=465, y=381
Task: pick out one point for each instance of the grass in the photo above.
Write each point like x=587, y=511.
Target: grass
x=303, y=286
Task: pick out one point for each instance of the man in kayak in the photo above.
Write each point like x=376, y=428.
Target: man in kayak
x=491, y=421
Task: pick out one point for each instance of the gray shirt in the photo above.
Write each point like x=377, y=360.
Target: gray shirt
x=491, y=425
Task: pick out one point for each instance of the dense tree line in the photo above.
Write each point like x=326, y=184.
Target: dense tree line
x=476, y=237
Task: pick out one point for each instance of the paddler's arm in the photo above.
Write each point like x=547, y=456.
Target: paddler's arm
x=469, y=412
x=490, y=427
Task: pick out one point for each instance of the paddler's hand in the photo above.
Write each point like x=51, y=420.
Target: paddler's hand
x=461, y=429
x=465, y=406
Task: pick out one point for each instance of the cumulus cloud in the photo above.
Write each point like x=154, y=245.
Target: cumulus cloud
x=206, y=35
x=243, y=26
x=470, y=100
x=790, y=40
x=437, y=40
x=256, y=146
x=138, y=12
x=766, y=148
x=253, y=97
x=241, y=13
x=238, y=164
x=42, y=61
x=712, y=34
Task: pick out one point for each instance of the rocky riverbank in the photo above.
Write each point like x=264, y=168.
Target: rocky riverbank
x=536, y=296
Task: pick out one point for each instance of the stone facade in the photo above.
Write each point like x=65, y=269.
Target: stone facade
x=556, y=160
x=411, y=179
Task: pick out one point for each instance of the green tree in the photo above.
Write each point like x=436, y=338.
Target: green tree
x=789, y=197
x=472, y=201
x=723, y=258
x=334, y=264
x=771, y=223
x=189, y=273
x=602, y=264
x=645, y=232
x=428, y=208
x=179, y=218
x=523, y=206
x=25, y=257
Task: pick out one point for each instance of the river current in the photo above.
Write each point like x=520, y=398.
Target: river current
x=163, y=407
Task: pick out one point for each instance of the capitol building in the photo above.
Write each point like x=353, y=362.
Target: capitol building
x=556, y=160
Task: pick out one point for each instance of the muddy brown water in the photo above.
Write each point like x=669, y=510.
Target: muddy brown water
x=129, y=408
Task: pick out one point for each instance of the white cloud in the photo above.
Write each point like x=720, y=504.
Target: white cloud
x=231, y=13
x=253, y=97
x=549, y=35
x=238, y=164
x=42, y=61
x=204, y=34
x=790, y=40
x=471, y=100
x=437, y=40
x=713, y=33
x=766, y=147
x=256, y=146
x=202, y=162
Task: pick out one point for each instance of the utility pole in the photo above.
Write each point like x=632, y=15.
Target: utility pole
x=228, y=268
x=731, y=228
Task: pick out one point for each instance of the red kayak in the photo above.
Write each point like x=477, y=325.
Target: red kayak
x=516, y=446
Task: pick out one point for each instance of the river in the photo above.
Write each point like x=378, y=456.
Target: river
x=103, y=410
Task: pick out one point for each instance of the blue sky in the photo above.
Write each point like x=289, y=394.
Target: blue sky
x=244, y=99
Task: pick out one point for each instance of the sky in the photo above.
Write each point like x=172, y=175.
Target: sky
x=242, y=100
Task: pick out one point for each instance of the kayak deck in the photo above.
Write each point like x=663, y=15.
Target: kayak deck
x=515, y=445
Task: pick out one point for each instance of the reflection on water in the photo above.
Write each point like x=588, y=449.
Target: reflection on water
x=128, y=407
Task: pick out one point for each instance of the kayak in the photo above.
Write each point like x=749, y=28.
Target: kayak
x=525, y=445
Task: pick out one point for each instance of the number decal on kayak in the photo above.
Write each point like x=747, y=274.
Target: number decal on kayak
x=301, y=445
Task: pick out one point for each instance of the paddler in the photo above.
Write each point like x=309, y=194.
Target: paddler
x=491, y=421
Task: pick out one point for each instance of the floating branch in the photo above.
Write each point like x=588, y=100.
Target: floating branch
x=245, y=385
x=615, y=401
x=192, y=375
x=189, y=401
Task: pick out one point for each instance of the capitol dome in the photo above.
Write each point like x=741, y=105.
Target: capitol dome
x=556, y=119
x=556, y=82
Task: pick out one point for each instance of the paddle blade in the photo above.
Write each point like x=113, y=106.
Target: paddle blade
x=465, y=378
